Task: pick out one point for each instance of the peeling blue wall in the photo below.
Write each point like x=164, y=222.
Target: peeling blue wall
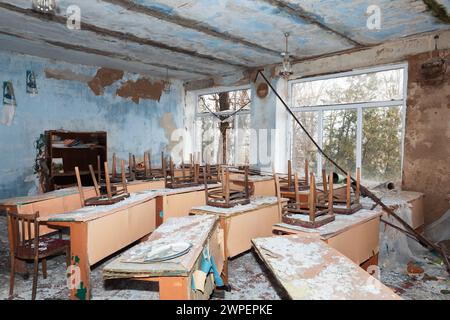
x=72, y=105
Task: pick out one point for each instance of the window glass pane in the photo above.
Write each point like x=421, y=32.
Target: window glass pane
x=208, y=138
x=228, y=127
x=381, y=145
x=243, y=139
x=302, y=146
x=339, y=138
x=214, y=136
x=375, y=86
x=225, y=101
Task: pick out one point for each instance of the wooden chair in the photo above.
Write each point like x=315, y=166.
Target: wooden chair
x=224, y=196
x=288, y=185
x=210, y=174
x=148, y=172
x=114, y=177
x=28, y=245
x=317, y=216
x=113, y=193
x=349, y=203
x=187, y=179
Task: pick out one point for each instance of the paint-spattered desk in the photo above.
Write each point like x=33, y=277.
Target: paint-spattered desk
x=97, y=232
x=175, y=275
x=178, y=202
x=244, y=222
x=356, y=235
x=309, y=269
x=240, y=224
x=396, y=199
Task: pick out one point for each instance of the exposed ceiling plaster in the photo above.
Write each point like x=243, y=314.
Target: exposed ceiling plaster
x=205, y=38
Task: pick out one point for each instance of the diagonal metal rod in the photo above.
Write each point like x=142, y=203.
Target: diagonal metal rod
x=408, y=229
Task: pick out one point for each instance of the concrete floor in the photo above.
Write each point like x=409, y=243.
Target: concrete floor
x=249, y=279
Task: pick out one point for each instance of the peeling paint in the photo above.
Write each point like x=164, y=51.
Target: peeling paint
x=104, y=77
x=66, y=74
x=141, y=89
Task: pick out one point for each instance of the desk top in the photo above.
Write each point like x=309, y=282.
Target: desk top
x=241, y=178
x=341, y=223
x=136, y=181
x=16, y=201
x=193, y=229
x=255, y=204
x=309, y=269
x=94, y=212
x=170, y=191
x=393, y=198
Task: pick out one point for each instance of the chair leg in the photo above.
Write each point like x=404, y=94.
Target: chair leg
x=35, y=278
x=44, y=268
x=11, y=278
x=68, y=262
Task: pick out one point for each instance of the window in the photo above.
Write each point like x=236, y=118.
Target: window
x=356, y=117
x=223, y=127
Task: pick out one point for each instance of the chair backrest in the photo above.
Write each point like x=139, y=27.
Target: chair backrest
x=23, y=230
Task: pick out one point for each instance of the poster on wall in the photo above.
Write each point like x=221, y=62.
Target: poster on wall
x=9, y=103
x=31, y=83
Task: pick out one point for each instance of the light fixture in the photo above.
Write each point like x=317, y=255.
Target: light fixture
x=44, y=6
x=286, y=69
x=166, y=83
x=434, y=69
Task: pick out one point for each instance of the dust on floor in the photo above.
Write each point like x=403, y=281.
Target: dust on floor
x=248, y=277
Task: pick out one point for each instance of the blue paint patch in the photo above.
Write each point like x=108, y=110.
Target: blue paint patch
x=157, y=6
x=161, y=214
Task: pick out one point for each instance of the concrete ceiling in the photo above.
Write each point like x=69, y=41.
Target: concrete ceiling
x=205, y=38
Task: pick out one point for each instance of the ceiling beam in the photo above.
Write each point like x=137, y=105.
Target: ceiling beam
x=190, y=24
x=118, y=35
x=103, y=53
x=309, y=17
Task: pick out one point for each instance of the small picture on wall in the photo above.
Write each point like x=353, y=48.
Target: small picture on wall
x=8, y=93
x=31, y=83
x=9, y=103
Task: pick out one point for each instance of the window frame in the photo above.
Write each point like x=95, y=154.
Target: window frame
x=359, y=107
x=198, y=114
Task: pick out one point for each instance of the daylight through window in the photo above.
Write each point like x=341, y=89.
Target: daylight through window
x=356, y=117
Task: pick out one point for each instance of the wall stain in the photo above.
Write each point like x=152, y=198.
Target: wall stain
x=426, y=154
x=142, y=88
x=168, y=124
x=104, y=77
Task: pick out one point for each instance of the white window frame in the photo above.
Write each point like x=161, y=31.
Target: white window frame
x=358, y=106
x=198, y=114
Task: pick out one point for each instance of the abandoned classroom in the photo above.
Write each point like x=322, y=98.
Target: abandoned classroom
x=225, y=150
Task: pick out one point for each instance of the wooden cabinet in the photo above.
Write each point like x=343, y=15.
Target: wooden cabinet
x=65, y=150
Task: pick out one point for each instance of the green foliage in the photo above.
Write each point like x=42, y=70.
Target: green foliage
x=381, y=139
x=438, y=10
